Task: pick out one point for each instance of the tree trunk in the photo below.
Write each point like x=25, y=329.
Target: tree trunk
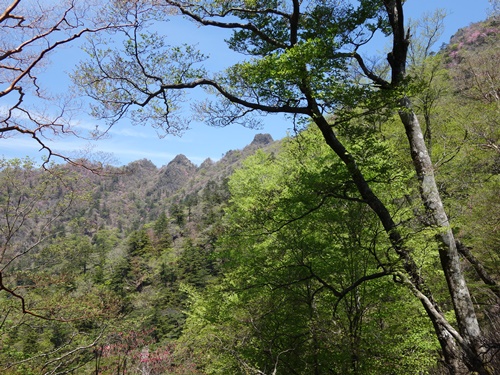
x=452, y=355
x=451, y=352
x=472, y=339
x=448, y=253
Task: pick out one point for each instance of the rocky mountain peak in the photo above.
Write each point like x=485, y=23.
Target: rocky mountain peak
x=175, y=174
x=262, y=139
x=206, y=163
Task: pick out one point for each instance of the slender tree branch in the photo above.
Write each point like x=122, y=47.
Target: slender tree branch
x=382, y=83
x=436, y=315
x=21, y=298
x=7, y=13
x=479, y=268
x=232, y=98
x=228, y=25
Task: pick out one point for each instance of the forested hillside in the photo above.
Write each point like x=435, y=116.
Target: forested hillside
x=94, y=265
x=285, y=257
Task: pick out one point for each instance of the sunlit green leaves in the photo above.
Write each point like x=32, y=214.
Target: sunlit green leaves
x=297, y=236
x=278, y=79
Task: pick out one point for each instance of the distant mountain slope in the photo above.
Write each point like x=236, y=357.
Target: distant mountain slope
x=479, y=35
x=137, y=193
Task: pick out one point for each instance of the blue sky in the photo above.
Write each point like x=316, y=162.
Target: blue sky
x=128, y=143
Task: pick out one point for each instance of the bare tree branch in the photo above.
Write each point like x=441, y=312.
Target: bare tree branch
x=31, y=35
x=479, y=268
x=233, y=25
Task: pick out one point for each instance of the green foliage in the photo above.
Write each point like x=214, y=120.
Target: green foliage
x=139, y=244
x=295, y=256
x=88, y=272
x=295, y=275
x=162, y=236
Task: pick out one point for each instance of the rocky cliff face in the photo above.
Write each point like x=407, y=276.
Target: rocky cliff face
x=176, y=174
x=222, y=169
x=262, y=140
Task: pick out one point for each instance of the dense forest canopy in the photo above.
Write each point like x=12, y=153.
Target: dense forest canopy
x=365, y=243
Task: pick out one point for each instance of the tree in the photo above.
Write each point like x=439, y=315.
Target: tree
x=495, y=8
x=47, y=320
x=307, y=281
x=31, y=32
x=29, y=208
x=426, y=68
x=305, y=61
x=162, y=236
x=474, y=81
